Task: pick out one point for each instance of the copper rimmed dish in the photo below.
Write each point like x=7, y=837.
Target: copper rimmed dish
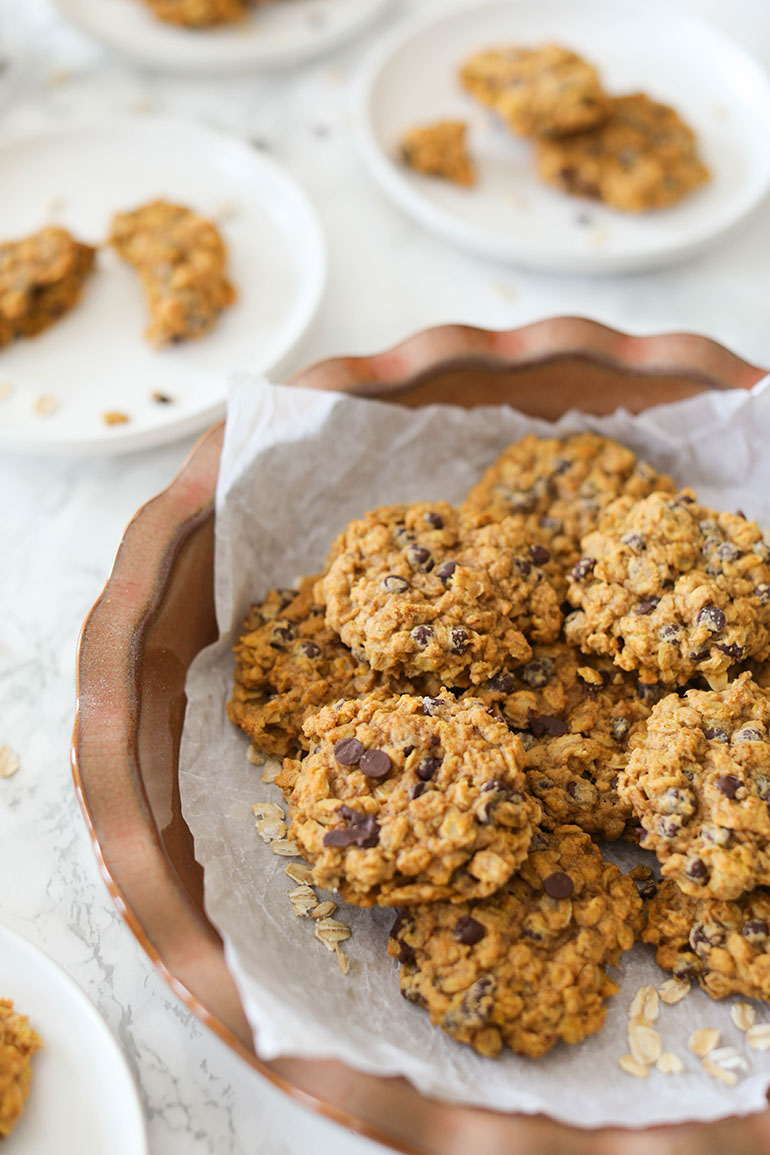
x=157, y=612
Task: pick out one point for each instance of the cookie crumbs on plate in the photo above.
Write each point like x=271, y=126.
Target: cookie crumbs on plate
x=702, y=1041
x=758, y=1037
x=743, y=1015
x=9, y=762
x=115, y=417
x=164, y=399
x=632, y=1066
x=669, y=1064
x=639, y=873
x=44, y=404
x=673, y=991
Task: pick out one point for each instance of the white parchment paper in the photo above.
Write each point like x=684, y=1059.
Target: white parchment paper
x=297, y=465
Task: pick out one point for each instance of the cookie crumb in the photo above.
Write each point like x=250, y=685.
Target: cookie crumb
x=44, y=404
x=162, y=399
x=115, y=417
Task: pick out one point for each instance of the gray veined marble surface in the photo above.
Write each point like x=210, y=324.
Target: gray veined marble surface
x=61, y=521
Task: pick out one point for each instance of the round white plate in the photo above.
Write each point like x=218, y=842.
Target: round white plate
x=511, y=215
x=96, y=358
x=83, y=1099
x=278, y=34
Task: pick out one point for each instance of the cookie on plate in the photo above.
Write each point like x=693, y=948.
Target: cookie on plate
x=525, y=968
x=18, y=1043
x=698, y=780
x=558, y=487
x=672, y=589
x=544, y=91
x=724, y=945
x=409, y=800
x=181, y=260
x=288, y=665
x=642, y=157
x=198, y=13
x=440, y=149
x=426, y=589
x=575, y=716
x=41, y=279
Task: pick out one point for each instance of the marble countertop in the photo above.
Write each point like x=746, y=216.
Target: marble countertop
x=61, y=520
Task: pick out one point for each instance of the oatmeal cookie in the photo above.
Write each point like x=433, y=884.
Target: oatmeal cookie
x=575, y=717
x=672, y=589
x=440, y=150
x=724, y=945
x=409, y=800
x=424, y=589
x=18, y=1043
x=198, y=13
x=288, y=665
x=525, y=968
x=698, y=779
x=558, y=487
x=41, y=279
x=180, y=258
x=545, y=91
x=642, y=157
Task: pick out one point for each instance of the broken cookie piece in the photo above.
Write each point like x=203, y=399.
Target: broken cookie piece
x=41, y=279
x=440, y=150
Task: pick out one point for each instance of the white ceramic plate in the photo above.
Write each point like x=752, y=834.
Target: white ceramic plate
x=511, y=215
x=278, y=34
x=83, y=1099
x=96, y=359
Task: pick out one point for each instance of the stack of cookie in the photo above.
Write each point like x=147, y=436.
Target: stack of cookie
x=468, y=699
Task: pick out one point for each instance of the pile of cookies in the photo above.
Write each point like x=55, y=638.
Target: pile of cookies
x=467, y=700
x=630, y=152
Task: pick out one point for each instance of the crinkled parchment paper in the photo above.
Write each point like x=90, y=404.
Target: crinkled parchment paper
x=298, y=465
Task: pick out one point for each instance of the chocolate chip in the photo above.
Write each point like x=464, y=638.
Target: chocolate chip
x=648, y=889
x=696, y=869
x=459, y=640
x=733, y=651
x=435, y=520
x=669, y=827
x=561, y=466
x=620, y=728
x=552, y=524
x=348, y=751
x=669, y=633
x=394, y=584
x=361, y=830
x=716, y=734
x=648, y=691
x=728, y=552
x=287, y=595
x=583, y=568
x=646, y=607
x=417, y=790
x=468, y=931
x=712, y=618
x=283, y=633
x=749, y=734
x=699, y=655
x=537, y=674
x=428, y=767
x=420, y=558
x=502, y=683
x=422, y=635
x=375, y=764
x=635, y=541
x=432, y=706
x=558, y=885
x=755, y=930
x=539, y=554
x=763, y=592
x=496, y=785
x=728, y=785
x=547, y=724
x=445, y=571
x=310, y=649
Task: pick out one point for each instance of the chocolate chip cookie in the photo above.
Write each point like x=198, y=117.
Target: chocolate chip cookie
x=642, y=157
x=558, y=487
x=575, y=717
x=724, y=945
x=199, y=13
x=698, y=779
x=440, y=150
x=425, y=589
x=409, y=800
x=544, y=91
x=525, y=968
x=672, y=589
x=18, y=1043
x=289, y=664
x=41, y=279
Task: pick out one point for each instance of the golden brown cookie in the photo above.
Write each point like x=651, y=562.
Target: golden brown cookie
x=558, y=487
x=18, y=1043
x=424, y=589
x=525, y=968
x=41, y=279
x=409, y=800
x=575, y=716
x=181, y=259
x=698, y=779
x=724, y=945
x=199, y=13
x=545, y=91
x=440, y=150
x=642, y=157
x=672, y=589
